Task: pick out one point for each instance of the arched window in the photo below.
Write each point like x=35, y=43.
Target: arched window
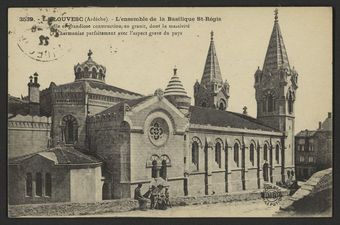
x=236, y=154
x=222, y=105
x=251, y=153
x=94, y=73
x=163, y=170
x=270, y=101
x=29, y=184
x=194, y=155
x=38, y=184
x=48, y=185
x=69, y=129
x=265, y=152
x=218, y=154
x=154, y=172
x=290, y=104
x=263, y=106
x=277, y=154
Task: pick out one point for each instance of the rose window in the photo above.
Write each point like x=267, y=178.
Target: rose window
x=158, y=131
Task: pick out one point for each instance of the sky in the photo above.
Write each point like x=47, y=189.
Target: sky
x=144, y=64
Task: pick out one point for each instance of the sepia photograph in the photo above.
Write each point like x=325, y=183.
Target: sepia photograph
x=170, y=112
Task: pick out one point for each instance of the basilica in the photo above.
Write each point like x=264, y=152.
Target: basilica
x=88, y=141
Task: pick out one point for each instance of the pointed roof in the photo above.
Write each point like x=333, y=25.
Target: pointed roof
x=276, y=56
x=175, y=86
x=212, y=70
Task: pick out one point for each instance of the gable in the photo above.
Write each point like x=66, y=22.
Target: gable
x=153, y=107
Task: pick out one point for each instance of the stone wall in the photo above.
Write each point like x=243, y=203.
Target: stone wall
x=119, y=205
x=17, y=181
x=28, y=134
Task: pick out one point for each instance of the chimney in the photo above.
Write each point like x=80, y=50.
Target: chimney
x=320, y=125
x=329, y=115
x=34, y=95
x=245, y=110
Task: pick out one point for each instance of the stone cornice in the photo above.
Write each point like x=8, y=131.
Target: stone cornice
x=194, y=127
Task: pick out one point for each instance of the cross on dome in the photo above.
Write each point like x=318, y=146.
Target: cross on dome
x=89, y=53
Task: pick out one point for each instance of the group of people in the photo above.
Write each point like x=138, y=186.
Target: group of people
x=158, y=195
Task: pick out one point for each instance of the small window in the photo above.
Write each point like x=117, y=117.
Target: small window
x=154, y=172
x=251, y=153
x=194, y=155
x=302, y=159
x=236, y=154
x=265, y=152
x=163, y=172
x=218, y=154
x=48, y=185
x=290, y=104
x=38, y=184
x=277, y=154
x=311, y=159
x=29, y=184
x=270, y=100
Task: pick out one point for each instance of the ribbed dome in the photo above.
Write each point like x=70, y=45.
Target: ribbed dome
x=90, y=70
x=175, y=86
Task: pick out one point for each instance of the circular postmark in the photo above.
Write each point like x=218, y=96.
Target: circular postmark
x=41, y=40
x=271, y=195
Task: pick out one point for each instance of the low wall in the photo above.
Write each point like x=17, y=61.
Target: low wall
x=110, y=206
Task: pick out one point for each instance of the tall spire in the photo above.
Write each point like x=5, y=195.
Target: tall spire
x=212, y=70
x=276, y=56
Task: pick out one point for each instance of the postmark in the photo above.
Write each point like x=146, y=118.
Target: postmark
x=41, y=40
x=271, y=195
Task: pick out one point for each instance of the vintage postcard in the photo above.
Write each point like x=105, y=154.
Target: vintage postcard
x=170, y=112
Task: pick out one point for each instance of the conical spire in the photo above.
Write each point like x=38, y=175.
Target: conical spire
x=276, y=56
x=175, y=86
x=212, y=70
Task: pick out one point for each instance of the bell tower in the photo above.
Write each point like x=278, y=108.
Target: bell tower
x=212, y=92
x=275, y=91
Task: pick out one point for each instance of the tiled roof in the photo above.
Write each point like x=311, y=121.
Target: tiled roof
x=212, y=68
x=306, y=133
x=208, y=116
x=276, y=56
x=103, y=86
x=131, y=103
x=61, y=156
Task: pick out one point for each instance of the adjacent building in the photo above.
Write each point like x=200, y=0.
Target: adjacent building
x=314, y=149
x=102, y=140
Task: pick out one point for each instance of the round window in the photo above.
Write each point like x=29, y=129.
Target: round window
x=158, y=131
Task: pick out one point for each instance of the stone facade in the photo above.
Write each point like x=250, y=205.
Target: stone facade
x=314, y=149
x=198, y=150
x=32, y=131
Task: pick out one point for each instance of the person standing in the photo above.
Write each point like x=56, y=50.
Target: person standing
x=138, y=196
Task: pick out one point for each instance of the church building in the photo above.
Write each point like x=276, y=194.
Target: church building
x=89, y=141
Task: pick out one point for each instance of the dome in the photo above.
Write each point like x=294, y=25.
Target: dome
x=176, y=94
x=175, y=86
x=90, y=70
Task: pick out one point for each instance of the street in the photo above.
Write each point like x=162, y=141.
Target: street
x=255, y=208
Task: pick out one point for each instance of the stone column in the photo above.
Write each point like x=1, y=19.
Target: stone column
x=259, y=165
x=208, y=166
